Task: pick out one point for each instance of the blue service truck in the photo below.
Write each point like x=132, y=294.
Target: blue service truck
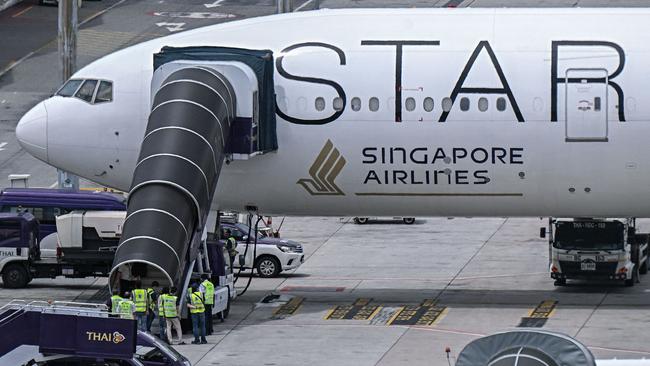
x=21, y=259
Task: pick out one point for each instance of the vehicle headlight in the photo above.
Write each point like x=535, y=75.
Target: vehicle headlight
x=285, y=248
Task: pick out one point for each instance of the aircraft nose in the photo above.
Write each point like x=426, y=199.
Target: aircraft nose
x=31, y=131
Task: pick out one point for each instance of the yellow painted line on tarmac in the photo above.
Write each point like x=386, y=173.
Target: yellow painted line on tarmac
x=442, y=315
x=392, y=318
x=22, y=12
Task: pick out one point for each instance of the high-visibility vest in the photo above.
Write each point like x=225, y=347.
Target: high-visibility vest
x=152, y=304
x=209, y=292
x=169, y=306
x=115, y=303
x=140, y=300
x=196, y=299
x=126, y=309
x=161, y=308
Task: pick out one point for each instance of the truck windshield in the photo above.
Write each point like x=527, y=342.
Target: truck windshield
x=589, y=235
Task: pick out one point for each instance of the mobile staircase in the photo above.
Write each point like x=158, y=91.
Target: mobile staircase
x=62, y=327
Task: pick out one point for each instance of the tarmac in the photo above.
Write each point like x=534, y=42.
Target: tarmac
x=384, y=293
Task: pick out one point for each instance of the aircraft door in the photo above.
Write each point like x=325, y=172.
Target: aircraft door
x=586, y=105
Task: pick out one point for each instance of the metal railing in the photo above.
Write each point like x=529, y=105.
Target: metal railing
x=54, y=307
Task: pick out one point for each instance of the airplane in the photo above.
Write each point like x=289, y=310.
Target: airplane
x=419, y=112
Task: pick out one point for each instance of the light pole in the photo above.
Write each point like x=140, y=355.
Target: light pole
x=68, y=25
x=285, y=6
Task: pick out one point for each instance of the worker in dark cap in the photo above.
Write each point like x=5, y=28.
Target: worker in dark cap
x=196, y=303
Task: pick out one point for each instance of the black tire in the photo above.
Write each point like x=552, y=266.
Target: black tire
x=15, y=276
x=630, y=282
x=360, y=220
x=268, y=266
x=409, y=220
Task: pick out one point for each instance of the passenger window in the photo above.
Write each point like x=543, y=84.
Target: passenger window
x=104, y=92
x=501, y=104
x=428, y=104
x=447, y=104
x=69, y=88
x=237, y=234
x=410, y=104
x=319, y=104
x=10, y=234
x=87, y=90
x=337, y=103
x=464, y=104
x=356, y=104
x=483, y=104
x=373, y=104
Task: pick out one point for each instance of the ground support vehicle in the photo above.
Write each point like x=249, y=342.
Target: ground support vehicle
x=273, y=255
x=46, y=204
x=596, y=249
x=68, y=333
x=87, y=247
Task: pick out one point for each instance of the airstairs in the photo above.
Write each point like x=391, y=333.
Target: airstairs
x=209, y=104
x=69, y=328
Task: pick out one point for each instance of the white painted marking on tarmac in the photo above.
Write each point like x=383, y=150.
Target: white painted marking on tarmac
x=172, y=27
x=53, y=185
x=214, y=4
x=2, y=145
x=193, y=15
x=303, y=5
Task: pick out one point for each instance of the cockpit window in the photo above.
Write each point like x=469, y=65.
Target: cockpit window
x=69, y=88
x=92, y=91
x=105, y=92
x=87, y=90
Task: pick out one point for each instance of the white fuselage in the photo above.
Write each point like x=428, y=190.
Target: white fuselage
x=557, y=114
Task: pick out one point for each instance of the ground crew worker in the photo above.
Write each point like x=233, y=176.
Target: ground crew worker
x=196, y=304
x=152, y=299
x=113, y=304
x=231, y=246
x=139, y=297
x=207, y=289
x=127, y=307
x=170, y=313
x=162, y=324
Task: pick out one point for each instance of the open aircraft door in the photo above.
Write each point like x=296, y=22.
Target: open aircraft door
x=586, y=105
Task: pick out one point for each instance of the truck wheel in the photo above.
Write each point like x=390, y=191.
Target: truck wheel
x=630, y=282
x=360, y=220
x=15, y=276
x=268, y=267
x=409, y=220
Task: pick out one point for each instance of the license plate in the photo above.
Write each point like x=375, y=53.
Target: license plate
x=588, y=266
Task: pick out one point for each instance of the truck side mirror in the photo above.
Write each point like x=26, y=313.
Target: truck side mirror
x=542, y=232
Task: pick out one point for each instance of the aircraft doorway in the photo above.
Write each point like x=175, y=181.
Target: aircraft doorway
x=586, y=105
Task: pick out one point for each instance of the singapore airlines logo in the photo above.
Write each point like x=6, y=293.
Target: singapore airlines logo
x=324, y=171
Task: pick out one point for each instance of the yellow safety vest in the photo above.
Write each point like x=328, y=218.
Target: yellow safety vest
x=196, y=299
x=169, y=306
x=126, y=309
x=152, y=305
x=209, y=292
x=140, y=300
x=161, y=307
x=115, y=303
